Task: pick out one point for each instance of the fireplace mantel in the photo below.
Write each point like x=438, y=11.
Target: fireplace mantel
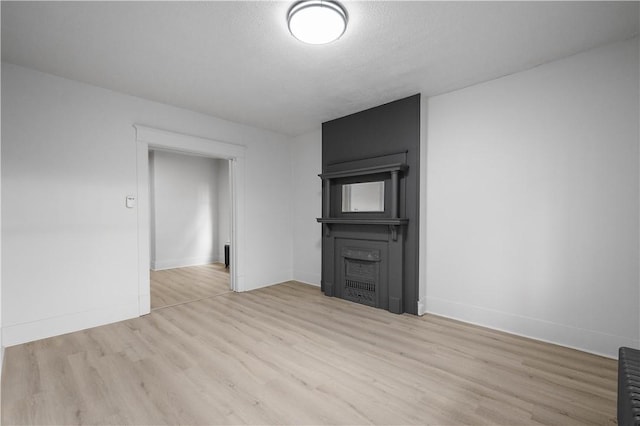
x=390, y=219
x=348, y=221
x=363, y=171
x=392, y=223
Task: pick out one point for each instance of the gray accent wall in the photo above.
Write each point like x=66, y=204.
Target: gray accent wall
x=383, y=131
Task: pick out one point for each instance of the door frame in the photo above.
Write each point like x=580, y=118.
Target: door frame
x=150, y=138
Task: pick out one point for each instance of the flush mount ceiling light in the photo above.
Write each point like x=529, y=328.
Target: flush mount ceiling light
x=317, y=21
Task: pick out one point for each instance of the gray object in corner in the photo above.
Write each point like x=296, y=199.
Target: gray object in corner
x=628, y=387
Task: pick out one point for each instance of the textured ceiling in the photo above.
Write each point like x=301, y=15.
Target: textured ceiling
x=236, y=60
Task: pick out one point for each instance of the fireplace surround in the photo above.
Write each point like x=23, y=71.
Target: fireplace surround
x=364, y=251
x=370, y=245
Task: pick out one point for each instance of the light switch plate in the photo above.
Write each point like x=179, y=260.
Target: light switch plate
x=131, y=201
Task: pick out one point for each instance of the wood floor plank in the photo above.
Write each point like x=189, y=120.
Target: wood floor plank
x=180, y=285
x=287, y=354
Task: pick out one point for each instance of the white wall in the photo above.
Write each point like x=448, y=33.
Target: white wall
x=306, y=159
x=532, y=201
x=184, y=209
x=68, y=161
x=531, y=190
x=224, y=207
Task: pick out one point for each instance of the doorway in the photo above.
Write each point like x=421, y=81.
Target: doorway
x=150, y=139
x=176, y=286
x=189, y=199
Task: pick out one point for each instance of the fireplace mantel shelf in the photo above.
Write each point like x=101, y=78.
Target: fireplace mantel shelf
x=364, y=221
x=393, y=223
x=385, y=168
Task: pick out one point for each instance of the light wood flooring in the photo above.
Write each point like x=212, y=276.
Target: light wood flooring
x=286, y=354
x=173, y=286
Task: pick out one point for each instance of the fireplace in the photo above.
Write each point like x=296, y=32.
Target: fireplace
x=360, y=275
x=363, y=244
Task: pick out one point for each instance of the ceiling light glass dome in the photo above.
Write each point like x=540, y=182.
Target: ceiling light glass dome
x=317, y=21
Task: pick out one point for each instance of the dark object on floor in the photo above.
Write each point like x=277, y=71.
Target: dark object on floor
x=226, y=255
x=628, y=387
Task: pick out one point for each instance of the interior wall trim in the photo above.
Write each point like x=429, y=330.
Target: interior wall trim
x=422, y=208
x=160, y=265
x=582, y=339
x=17, y=334
x=173, y=141
x=1, y=363
x=307, y=277
x=152, y=138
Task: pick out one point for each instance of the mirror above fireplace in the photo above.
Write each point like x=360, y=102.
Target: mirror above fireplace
x=363, y=197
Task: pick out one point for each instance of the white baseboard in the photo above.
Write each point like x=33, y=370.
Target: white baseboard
x=308, y=283
x=591, y=341
x=250, y=283
x=307, y=277
x=48, y=327
x=144, y=304
x=1, y=368
x=422, y=308
x=159, y=265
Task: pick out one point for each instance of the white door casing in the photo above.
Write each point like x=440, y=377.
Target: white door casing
x=150, y=138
